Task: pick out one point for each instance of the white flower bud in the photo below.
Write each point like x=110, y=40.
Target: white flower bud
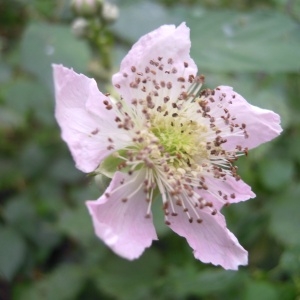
x=110, y=12
x=86, y=7
x=80, y=27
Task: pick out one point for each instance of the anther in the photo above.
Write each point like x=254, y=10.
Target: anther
x=166, y=99
x=95, y=131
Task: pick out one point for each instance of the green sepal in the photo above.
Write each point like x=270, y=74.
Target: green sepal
x=110, y=165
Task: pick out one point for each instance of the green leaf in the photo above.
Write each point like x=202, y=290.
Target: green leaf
x=276, y=174
x=63, y=170
x=5, y=70
x=25, y=96
x=44, y=44
x=290, y=261
x=293, y=145
x=261, y=291
x=18, y=210
x=226, y=41
x=130, y=280
x=64, y=283
x=10, y=119
x=285, y=216
x=17, y=213
x=12, y=252
x=187, y=281
x=222, y=41
x=77, y=224
x=36, y=166
x=147, y=16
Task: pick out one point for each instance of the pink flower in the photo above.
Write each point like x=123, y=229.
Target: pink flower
x=163, y=135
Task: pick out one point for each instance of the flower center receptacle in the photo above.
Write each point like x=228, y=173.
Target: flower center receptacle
x=180, y=137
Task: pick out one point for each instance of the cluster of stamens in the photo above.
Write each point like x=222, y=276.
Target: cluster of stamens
x=178, y=140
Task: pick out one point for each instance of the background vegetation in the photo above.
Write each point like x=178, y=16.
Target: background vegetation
x=47, y=245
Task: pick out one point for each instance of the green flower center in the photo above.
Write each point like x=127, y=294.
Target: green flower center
x=181, y=137
x=179, y=142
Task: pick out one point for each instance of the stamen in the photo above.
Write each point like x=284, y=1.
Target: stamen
x=179, y=141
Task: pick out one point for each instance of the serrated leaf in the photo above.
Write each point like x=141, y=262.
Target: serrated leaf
x=228, y=41
x=222, y=41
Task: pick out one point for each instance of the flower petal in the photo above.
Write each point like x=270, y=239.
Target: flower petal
x=158, y=58
x=85, y=122
x=123, y=225
x=221, y=192
x=262, y=125
x=211, y=241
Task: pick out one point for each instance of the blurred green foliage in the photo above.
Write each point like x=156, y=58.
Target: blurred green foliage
x=47, y=245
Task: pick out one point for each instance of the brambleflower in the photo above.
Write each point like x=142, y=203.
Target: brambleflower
x=163, y=135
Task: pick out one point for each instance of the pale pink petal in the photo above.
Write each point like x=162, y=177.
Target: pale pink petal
x=157, y=59
x=221, y=192
x=211, y=241
x=85, y=123
x=262, y=125
x=123, y=225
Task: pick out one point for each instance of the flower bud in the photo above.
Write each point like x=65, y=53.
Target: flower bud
x=110, y=12
x=86, y=7
x=80, y=27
